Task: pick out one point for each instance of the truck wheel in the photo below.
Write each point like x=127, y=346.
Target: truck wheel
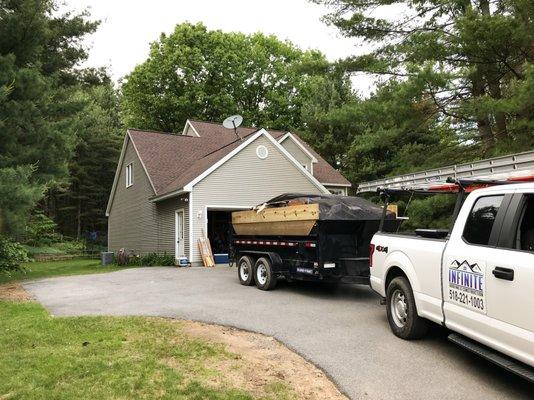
x=245, y=271
x=263, y=274
x=402, y=312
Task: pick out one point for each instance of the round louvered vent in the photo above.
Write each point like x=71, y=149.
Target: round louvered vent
x=262, y=152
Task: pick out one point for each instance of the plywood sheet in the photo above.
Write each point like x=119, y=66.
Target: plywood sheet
x=285, y=228
x=296, y=220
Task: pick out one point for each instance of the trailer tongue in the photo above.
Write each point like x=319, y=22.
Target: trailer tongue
x=305, y=237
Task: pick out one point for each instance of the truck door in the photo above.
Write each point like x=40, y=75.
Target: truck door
x=467, y=266
x=510, y=280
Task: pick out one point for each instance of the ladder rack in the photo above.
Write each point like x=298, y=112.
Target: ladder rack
x=497, y=168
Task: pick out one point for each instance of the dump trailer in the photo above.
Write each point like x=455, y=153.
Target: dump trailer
x=296, y=236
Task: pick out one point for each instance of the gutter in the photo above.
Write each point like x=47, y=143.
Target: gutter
x=169, y=195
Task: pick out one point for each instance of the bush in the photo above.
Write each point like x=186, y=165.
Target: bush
x=12, y=255
x=70, y=247
x=40, y=231
x=147, y=260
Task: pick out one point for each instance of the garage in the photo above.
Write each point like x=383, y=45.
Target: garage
x=219, y=231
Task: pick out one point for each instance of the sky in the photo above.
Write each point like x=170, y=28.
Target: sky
x=128, y=27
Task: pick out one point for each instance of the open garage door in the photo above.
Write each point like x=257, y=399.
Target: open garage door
x=219, y=225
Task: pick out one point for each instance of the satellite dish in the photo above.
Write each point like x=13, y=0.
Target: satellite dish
x=233, y=122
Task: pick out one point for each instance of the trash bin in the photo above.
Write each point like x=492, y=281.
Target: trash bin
x=107, y=257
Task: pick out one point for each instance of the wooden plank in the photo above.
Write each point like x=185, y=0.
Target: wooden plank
x=205, y=252
x=279, y=228
x=304, y=212
x=294, y=220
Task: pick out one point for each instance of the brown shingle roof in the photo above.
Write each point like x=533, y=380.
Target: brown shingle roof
x=174, y=160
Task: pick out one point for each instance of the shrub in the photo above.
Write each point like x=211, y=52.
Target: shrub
x=40, y=231
x=12, y=254
x=70, y=247
x=147, y=260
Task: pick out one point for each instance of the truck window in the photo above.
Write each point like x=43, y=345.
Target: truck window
x=525, y=229
x=481, y=219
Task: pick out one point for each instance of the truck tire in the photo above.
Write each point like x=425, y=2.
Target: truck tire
x=402, y=311
x=263, y=274
x=245, y=271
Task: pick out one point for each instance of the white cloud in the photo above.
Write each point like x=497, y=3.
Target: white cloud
x=128, y=27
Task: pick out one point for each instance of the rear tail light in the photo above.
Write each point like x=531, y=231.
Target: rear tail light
x=310, y=244
x=371, y=252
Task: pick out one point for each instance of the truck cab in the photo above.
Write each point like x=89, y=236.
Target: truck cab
x=475, y=281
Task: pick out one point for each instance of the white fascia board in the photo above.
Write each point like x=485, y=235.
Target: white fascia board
x=338, y=184
x=190, y=185
x=127, y=138
x=303, y=170
x=289, y=135
x=169, y=195
x=261, y=132
x=117, y=173
x=142, y=164
x=190, y=222
x=190, y=125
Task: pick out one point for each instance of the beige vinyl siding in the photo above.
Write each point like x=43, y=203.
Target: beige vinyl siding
x=245, y=180
x=297, y=152
x=135, y=223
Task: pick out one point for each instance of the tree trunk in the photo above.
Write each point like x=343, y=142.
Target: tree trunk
x=483, y=121
x=492, y=78
x=500, y=117
x=79, y=220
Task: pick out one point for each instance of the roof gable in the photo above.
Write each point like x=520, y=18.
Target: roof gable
x=172, y=161
x=127, y=141
x=290, y=136
x=243, y=144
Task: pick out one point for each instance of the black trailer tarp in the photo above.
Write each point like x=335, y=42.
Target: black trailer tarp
x=334, y=207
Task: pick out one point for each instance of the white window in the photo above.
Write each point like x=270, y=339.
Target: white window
x=338, y=192
x=129, y=175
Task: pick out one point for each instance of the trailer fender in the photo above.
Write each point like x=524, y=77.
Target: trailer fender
x=274, y=258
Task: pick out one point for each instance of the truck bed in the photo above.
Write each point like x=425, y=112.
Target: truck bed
x=392, y=249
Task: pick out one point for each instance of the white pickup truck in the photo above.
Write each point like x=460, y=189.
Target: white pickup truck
x=477, y=281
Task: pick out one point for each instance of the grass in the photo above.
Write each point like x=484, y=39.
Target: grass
x=47, y=269
x=105, y=358
x=42, y=357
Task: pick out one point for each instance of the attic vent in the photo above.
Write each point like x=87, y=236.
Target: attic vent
x=262, y=152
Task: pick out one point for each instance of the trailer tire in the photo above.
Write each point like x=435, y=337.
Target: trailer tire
x=402, y=311
x=263, y=274
x=245, y=271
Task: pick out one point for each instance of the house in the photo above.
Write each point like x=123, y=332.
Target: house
x=169, y=189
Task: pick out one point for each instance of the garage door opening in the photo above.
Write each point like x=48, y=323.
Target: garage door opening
x=219, y=225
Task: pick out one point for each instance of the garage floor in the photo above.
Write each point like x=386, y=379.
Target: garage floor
x=343, y=330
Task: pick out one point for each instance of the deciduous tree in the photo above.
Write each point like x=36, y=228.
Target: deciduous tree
x=209, y=75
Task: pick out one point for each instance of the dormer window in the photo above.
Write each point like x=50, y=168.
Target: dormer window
x=129, y=175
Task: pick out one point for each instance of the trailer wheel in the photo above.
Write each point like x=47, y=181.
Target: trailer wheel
x=263, y=274
x=402, y=311
x=245, y=271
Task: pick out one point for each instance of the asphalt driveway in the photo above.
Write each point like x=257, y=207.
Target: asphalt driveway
x=343, y=330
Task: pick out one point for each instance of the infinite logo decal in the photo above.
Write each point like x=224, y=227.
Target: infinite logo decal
x=463, y=275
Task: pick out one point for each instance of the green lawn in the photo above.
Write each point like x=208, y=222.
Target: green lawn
x=105, y=358
x=46, y=269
